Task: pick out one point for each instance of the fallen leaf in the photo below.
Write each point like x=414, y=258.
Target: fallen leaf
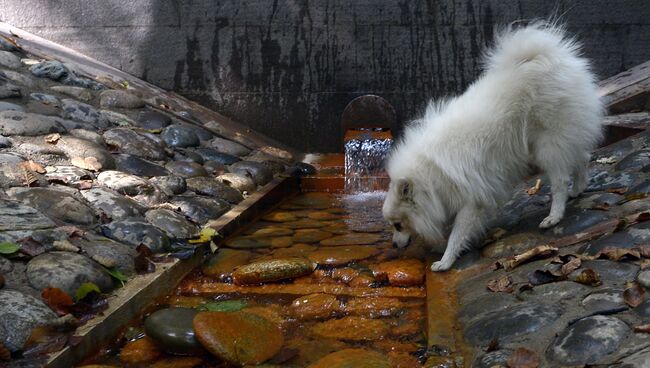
x=30, y=247
x=89, y=306
x=633, y=197
x=601, y=207
x=523, y=358
x=501, y=285
x=88, y=163
x=493, y=345
x=571, y=266
x=5, y=354
x=85, y=289
x=224, y=306
x=642, y=217
x=633, y=294
x=645, y=263
x=117, y=275
x=617, y=190
x=642, y=328
x=143, y=261
x=44, y=340
x=2, y=281
x=621, y=225
x=540, y=251
x=206, y=235
x=617, y=254
x=644, y=251
x=540, y=277
x=52, y=138
x=588, y=277
x=8, y=248
x=58, y=300
x=84, y=184
x=535, y=189
x=606, y=160
x=33, y=166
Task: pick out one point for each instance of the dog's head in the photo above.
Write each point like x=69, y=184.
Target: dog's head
x=413, y=210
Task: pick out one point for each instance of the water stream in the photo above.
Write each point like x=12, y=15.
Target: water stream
x=364, y=162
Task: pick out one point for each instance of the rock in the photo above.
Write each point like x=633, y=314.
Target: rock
x=243, y=184
x=229, y=147
x=600, y=200
x=11, y=158
x=239, y=338
x=611, y=273
x=180, y=136
x=137, y=352
x=310, y=236
x=214, y=168
x=172, y=223
x=513, y=244
x=66, y=271
x=272, y=270
x=86, y=150
x=221, y=264
x=498, y=358
x=128, y=141
x=280, y=216
x=170, y=185
x=9, y=60
x=201, y=209
x=604, y=301
x=301, y=169
x=16, y=216
x=511, y=321
x=632, y=236
x=351, y=239
x=556, y=292
x=644, y=278
x=315, y=306
x=9, y=90
x=400, y=272
x=124, y=183
x=137, y=166
x=84, y=113
x=352, y=329
x=105, y=251
x=111, y=204
x=20, y=314
x=202, y=133
x=56, y=204
x=119, y=99
x=337, y=256
x=214, y=188
x=635, y=161
x=260, y=173
x=135, y=232
x=188, y=156
x=304, y=224
x=357, y=358
x=153, y=120
x=576, y=222
x=5, y=142
x=88, y=135
x=604, y=180
x=172, y=329
x=18, y=78
x=589, y=340
x=7, y=106
x=25, y=123
x=79, y=93
x=247, y=242
x=315, y=200
x=56, y=71
x=643, y=187
x=323, y=216
x=638, y=359
x=69, y=175
x=46, y=99
x=186, y=169
x=643, y=310
x=208, y=154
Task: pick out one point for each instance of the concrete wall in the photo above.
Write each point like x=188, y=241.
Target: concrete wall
x=287, y=68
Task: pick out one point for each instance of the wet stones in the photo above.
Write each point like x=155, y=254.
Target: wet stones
x=639, y=160
x=170, y=185
x=28, y=124
x=172, y=329
x=351, y=239
x=352, y=329
x=16, y=216
x=20, y=314
x=310, y=236
x=84, y=113
x=280, y=217
x=66, y=271
x=69, y=175
x=135, y=232
x=213, y=187
x=172, y=223
x=201, y=209
x=315, y=306
x=111, y=204
x=229, y=147
x=604, y=180
x=89, y=155
x=604, y=301
x=131, y=142
x=589, y=340
x=137, y=166
x=358, y=358
x=223, y=263
x=338, y=256
x=9, y=60
x=272, y=270
x=243, y=184
x=109, y=253
x=56, y=204
x=124, y=183
x=611, y=273
x=257, y=171
x=80, y=93
x=239, y=338
x=513, y=244
x=113, y=98
x=7, y=106
x=153, y=120
x=186, y=169
x=511, y=321
x=56, y=71
x=579, y=221
x=180, y=136
x=400, y=272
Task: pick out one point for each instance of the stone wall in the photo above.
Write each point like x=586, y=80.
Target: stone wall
x=287, y=68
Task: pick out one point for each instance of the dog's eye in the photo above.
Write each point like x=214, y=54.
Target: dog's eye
x=397, y=226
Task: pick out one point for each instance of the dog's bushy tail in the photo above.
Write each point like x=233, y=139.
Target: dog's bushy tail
x=538, y=41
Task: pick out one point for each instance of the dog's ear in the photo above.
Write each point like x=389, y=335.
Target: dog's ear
x=405, y=189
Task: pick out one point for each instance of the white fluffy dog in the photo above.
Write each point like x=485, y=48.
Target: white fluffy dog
x=536, y=103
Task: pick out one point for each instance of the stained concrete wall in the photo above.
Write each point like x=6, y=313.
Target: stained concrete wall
x=287, y=68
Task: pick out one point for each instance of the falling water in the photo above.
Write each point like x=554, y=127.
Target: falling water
x=364, y=162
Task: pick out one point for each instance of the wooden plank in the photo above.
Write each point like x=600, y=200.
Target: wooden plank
x=627, y=91
x=139, y=292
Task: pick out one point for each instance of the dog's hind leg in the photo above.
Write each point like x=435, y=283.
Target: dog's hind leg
x=560, y=180
x=468, y=225
x=580, y=173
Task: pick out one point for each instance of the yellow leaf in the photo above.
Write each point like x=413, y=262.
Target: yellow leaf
x=205, y=236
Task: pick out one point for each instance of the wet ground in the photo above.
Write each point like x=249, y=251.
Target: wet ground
x=311, y=279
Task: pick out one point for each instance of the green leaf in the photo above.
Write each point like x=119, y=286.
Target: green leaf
x=8, y=248
x=225, y=306
x=117, y=275
x=85, y=289
x=205, y=236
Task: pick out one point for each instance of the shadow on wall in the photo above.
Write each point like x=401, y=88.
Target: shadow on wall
x=288, y=68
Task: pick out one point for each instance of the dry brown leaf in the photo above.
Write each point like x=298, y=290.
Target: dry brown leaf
x=523, y=358
x=587, y=234
x=29, y=179
x=52, y=138
x=618, y=190
x=540, y=251
x=616, y=254
x=501, y=285
x=633, y=294
x=642, y=328
x=33, y=166
x=572, y=265
x=5, y=354
x=535, y=189
x=588, y=277
x=645, y=263
x=58, y=300
x=88, y=163
x=493, y=345
x=601, y=206
x=644, y=251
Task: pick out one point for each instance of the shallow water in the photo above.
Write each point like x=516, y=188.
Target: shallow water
x=358, y=291
x=364, y=161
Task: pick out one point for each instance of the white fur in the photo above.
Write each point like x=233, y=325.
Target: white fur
x=536, y=103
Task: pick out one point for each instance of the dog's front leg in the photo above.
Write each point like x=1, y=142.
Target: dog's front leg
x=469, y=223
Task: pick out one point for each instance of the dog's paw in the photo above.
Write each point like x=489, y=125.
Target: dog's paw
x=549, y=222
x=441, y=266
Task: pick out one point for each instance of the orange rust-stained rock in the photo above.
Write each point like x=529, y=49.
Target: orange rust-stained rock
x=140, y=351
x=395, y=345
x=336, y=256
x=353, y=358
x=272, y=270
x=223, y=263
x=272, y=312
x=238, y=337
x=406, y=329
x=315, y=306
x=352, y=329
x=322, y=215
x=373, y=306
x=363, y=280
x=401, y=272
x=303, y=224
x=344, y=274
x=272, y=231
x=296, y=250
x=177, y=362
x=279, y=216
x=403, y=360
x=351, y=239
x=310, y=236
